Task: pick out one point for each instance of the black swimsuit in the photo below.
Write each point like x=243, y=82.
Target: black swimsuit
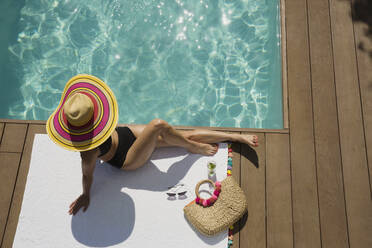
x=126, y=140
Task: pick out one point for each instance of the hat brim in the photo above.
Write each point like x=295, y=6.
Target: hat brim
x=99, y=129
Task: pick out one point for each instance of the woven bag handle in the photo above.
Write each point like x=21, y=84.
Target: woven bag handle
x=200, y=183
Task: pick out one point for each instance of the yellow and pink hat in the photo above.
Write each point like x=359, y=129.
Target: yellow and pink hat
x=86, y=115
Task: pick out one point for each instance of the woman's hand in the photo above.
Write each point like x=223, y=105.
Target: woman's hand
x=81, y=202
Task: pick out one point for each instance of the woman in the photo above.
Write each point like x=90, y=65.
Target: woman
x=86, y=121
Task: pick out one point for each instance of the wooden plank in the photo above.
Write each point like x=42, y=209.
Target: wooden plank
x=278, y=192
x=13, y=137
x=253, y=164
x=8, y=174
x=304, y=184
x=364, y=62
x=332, y=207
x=236, y=174
x=352, y=139
x=20, y=186
x=23, y=121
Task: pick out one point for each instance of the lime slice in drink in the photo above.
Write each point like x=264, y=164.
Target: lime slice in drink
x=211, y=165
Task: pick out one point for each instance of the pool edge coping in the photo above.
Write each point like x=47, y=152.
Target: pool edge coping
x=283, y=43
x=225, y=129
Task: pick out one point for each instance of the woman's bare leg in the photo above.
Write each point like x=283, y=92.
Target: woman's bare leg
x=205, y=136
x=138, y=129
x=208, y=136
x=159, y=131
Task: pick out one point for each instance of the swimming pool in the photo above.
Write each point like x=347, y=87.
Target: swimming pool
x=191, y=63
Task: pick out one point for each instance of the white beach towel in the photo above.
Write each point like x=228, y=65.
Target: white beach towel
x=127, y=209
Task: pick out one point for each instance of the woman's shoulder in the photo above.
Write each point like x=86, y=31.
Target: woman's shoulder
x=90, y=154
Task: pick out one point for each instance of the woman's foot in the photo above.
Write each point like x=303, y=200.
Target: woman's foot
x=203, y=149
x=248, y=139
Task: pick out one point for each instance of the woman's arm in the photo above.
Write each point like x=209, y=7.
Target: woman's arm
x=88, y=162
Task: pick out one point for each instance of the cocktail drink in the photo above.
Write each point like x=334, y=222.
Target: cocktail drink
x=211, y=168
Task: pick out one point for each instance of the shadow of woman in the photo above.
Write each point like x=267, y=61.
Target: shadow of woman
x=110, y=218
x=160, y=180
x=361, y=12
x=250, y=154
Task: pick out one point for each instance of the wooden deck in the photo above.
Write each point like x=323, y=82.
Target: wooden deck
x=308, y=185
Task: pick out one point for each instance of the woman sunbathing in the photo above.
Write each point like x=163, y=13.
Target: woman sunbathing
x=86, y=120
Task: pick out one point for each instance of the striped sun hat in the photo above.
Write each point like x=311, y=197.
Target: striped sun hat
x=86, y=115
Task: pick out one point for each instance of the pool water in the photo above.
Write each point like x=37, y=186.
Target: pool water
x=192, y=63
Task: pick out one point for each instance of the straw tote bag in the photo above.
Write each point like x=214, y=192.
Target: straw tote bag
x=226, y=206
